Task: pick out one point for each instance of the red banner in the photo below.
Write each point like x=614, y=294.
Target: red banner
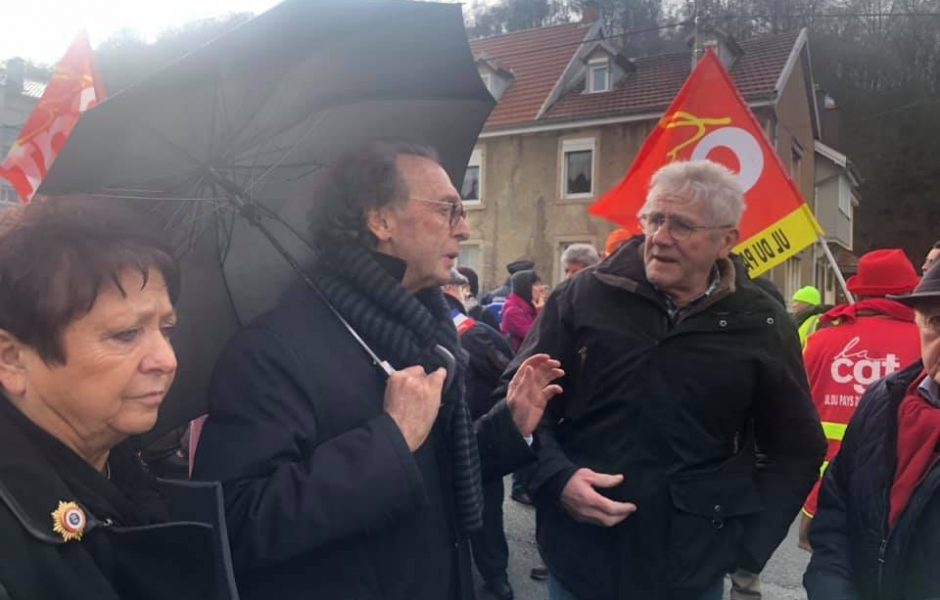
x=709, y=119
x=71, y=91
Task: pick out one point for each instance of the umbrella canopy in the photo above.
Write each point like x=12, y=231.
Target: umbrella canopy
x=225, y=147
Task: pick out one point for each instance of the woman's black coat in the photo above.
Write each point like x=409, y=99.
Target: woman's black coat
x=185, y=558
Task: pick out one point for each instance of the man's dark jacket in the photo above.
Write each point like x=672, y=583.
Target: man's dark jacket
x=183, y=558
x=676, y=407
x=855, y=556
x=323, y=497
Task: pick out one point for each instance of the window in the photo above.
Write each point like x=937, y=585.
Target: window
x=599, y=75
x=470, y=256
x=577, y=169
x=472, y=189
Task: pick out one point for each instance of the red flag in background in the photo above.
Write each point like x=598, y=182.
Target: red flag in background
x=72, y=90
x=709, y=119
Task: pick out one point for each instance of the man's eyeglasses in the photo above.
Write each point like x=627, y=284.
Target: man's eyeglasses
x=456, y=210
x=677, y=227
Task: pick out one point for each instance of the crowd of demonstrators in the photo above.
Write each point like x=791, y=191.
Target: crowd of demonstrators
x=659, y=406
x=489, y=355
x=86, y=307
x=647, y=482
x=340, y=481
x=875, y=533
x=856, y=345
x=807, y=306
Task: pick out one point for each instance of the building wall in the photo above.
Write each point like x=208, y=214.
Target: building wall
x=523, y=213
x=832, y=184
x=792, y=129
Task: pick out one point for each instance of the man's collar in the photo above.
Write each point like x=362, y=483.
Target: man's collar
x=675, y=310
x=929, y=389
x=392, y=264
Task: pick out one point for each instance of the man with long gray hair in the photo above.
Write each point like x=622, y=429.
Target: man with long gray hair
x=677, y=369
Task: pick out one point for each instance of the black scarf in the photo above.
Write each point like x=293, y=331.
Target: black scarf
x=409, y=327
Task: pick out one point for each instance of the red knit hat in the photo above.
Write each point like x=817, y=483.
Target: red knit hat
x=883, y=272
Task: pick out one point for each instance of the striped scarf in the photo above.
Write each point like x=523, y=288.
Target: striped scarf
x=409, y=327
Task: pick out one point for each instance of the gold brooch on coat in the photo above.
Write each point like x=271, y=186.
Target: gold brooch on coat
x=69, y=521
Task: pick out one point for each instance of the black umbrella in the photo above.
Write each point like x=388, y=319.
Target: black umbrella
x=226, y=146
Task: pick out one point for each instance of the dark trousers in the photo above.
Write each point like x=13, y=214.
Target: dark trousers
x=489, y=547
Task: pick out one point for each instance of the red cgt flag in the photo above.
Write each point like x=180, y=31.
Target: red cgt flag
x=71, y=91
x=709, y=119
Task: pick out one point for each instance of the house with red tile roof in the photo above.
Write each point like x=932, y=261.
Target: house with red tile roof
x=572, y=113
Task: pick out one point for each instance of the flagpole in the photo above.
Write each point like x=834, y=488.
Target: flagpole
x=835, y=269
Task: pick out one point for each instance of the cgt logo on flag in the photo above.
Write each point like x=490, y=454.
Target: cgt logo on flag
x=70, y=92
x=709, y=120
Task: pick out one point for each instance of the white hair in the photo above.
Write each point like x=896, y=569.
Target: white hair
x=702, y=182
x=583, y=254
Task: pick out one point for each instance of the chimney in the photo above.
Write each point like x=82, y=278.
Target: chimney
x=590, y=12
x=16, y=73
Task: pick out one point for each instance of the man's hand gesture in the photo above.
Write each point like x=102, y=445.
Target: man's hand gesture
x=530, y=390
x=586, y=505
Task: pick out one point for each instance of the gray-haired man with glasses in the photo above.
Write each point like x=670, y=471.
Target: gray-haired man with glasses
x=677, y=368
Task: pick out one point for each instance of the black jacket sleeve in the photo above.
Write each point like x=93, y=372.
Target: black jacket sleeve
x=286, y=490
x=550, y=335
x=790, y=441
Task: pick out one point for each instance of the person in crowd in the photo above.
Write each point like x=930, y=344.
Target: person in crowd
x=932, y=256
x=577, y=257
x=494, y=301
x=616, y=238
x=343, y=481
x=474, y=308
x=489, y=354
x=678, y=369
x=856, y=345
x=504, y=290
x=86, y=311
x=806, y=306
x=876, y=533
x=522, y=306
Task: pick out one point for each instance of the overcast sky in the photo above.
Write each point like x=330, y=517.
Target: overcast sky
x=41, y=30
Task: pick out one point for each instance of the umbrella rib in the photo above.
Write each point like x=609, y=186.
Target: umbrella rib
x=319, y=119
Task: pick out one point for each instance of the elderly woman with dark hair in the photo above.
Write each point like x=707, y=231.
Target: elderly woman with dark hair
x=86, y=309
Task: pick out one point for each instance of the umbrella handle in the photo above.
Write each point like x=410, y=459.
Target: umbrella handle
x=450, y=363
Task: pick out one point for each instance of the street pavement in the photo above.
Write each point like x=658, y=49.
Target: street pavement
x=781, y=579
